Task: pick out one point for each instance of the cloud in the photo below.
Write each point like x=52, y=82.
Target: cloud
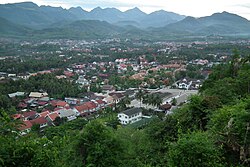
x=196, y=8
x=247, y=5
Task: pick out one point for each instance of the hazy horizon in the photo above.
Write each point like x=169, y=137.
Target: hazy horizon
x=193, y=8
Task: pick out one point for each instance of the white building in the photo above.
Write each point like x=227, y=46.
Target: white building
x=184, y=84
x=130, y=116
x=82, y=81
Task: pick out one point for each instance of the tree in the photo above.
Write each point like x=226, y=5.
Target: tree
x=231, y=126
x=195, y=149
x=35, y=128
x=122, y=104
x=174, y=102
x=139, y=96
x=156, y=100
x=235, y=63
x=59, y=121
x=97, y=146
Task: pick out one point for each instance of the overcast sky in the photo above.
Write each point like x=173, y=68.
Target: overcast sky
x=196, y=8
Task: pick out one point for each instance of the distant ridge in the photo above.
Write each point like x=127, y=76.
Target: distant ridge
x=29, y=20
x=38, y=17
x=219, y=23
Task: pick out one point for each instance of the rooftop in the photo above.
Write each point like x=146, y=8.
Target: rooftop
x=132, y=111
x=66, y=113
x=39, y=120
x=25, y=125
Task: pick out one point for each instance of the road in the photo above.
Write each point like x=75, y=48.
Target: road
x=180, y=95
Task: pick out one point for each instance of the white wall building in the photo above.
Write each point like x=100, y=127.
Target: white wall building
x=184, y=84
x=130, y=116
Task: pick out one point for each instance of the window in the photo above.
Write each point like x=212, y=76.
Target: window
x=120, y=116
x=126, y=117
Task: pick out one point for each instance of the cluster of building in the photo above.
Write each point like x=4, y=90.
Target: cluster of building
x=38, y=108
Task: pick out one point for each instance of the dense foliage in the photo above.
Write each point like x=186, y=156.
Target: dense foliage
x=212, y=129
x=56, y=88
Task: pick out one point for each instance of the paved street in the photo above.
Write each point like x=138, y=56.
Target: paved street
x=180, y=95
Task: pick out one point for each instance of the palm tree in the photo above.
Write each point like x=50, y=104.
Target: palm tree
x=146, y=99
x=123, y=103
x=139, y=96
x=174, y=101
x=156, y=100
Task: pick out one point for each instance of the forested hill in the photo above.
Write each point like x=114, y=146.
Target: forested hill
x=212, y=129
x=29, y=21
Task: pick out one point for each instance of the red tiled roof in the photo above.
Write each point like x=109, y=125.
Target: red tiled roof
x=81, y=108
x=91, y=105
x=53, y=116
x=39, y=120
x=103, y=75
x=28, y=114
x=45, y=110
x=44, y=114
x=22, y=105
x=172, y=66
x=16, y=116
x=25, y=125
x=67, y=107
x=53, y=102
x=123, y=65
x=42, y=103
x=61, y=103
x=100, y=102
x=56, y=109
x=68, y=73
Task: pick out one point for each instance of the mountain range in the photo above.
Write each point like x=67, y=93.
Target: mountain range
x=30, y=20
x=31, y=15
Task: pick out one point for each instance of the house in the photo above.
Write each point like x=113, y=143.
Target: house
x=40, y=121
x=86, y=108
x=38, y=94
x=67, y=113
x=52, y=116
x=25, y=127
x=45, y=99
x=22, y=105
x=16, y=94
x=72, y=101
x=100, y=103
x=82, y=81
x=196, y=84
x=61, y=104
x=30, y=115
x=16, y=116
x=82, y=109
x=184, y=84
x=108, y=88
x=89, y=95
x=92, y=107
x=109, y=100
x=68, y=74
x=130, y=116
x=44, y=114
x=42, y=103
x=104, y=76
x=118, y=94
